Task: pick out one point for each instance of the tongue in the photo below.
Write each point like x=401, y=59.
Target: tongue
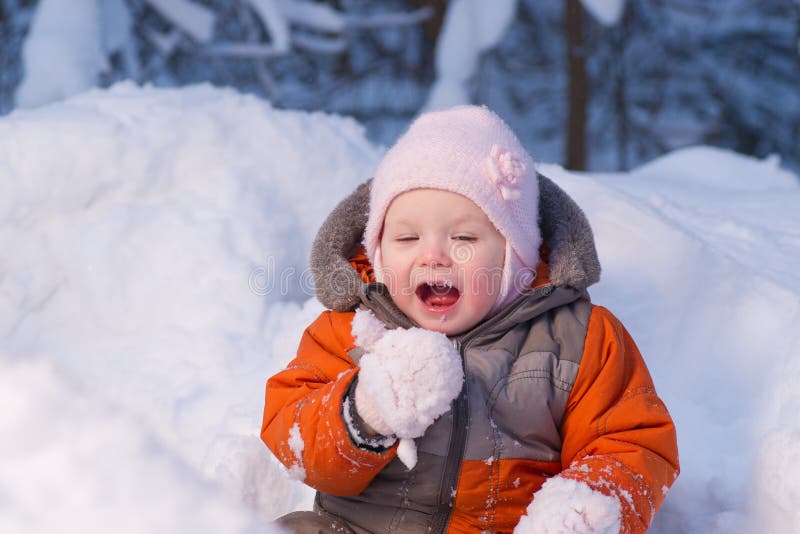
x=440, y=296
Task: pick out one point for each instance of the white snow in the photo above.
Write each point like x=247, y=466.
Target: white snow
x=153, y=277
x=407, y=451
x=191, y=17
x=565, y=506
x=296, y=445
x=606, y=12
x=73, y=462
x=321, y=17
x=275, y=21
x=63, y=53
x=155, y=251
x=367, y=329
x=470, y=28
x=325, y=18
x=411, y=375
x=116, y=23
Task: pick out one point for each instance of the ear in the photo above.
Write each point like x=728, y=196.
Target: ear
x=367, y=329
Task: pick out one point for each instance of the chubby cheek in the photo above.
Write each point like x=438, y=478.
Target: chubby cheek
x=483, y=288
x=482, y=278
x=396, y=278
x=397, y=286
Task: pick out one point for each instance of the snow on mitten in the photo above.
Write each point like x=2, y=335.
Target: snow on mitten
x=410, y=377
x=367, y=330
x=566, y=506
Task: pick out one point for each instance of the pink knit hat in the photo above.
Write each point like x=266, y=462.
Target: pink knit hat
x=470, y=151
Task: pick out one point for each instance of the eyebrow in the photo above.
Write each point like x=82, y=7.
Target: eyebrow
x=459, y=220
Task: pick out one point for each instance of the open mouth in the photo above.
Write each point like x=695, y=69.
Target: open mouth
x=438, y=296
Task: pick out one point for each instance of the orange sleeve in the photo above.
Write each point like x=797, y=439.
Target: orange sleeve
x=304, y=402
x=618, y=436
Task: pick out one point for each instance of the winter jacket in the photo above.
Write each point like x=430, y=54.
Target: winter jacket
x=554, y=386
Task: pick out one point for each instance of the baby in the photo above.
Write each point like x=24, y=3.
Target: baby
x=462, y=380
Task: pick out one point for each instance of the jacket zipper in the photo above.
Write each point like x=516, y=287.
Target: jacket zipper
x=455, y=453
x=460, y=426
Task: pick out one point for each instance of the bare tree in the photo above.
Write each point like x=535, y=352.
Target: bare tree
x=797, y=31
x=619, y=45
x=578, y=86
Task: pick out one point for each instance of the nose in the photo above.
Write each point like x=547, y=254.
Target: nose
x=435, y=254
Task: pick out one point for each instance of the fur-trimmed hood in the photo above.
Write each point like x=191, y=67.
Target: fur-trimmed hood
x=565, y=230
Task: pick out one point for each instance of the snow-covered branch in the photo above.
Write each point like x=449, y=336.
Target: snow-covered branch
x=273, y=18
x=320, y=17
x=194, y=19
x=242, y=50
x=387, y=20
x=606, y=12
x=278, y=16
x=164, y=42
x=470, y=28
x=324, y=18
x=320, y=45
x=85, y=33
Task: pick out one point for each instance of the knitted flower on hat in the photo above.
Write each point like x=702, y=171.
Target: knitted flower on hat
x=470, y=151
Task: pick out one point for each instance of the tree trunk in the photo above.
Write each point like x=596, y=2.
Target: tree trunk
x=797, y=32
x=620, y=42
x=578, y=86
x=433, y=25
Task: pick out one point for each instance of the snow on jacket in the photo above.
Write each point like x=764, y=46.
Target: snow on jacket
x=555, y=386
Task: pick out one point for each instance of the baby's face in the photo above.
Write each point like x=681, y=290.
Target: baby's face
x=442, y=259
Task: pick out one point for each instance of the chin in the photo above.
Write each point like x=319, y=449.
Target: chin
x=450, y=326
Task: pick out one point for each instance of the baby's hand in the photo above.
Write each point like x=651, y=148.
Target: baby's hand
x=408, y=378
x=412, y=376
x=565, y=506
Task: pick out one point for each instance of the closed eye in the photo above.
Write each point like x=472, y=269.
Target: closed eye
x=467, y=238
x=407, y=238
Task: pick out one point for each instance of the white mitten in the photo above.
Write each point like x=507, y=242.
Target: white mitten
x=566, y=506
x=368, y=411
x=408, y=378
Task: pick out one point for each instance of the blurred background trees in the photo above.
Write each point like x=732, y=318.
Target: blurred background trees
x=590, y=84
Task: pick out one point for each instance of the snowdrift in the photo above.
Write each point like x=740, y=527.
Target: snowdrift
x=153, y=276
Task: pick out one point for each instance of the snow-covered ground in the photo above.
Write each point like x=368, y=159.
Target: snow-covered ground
x=153, y=275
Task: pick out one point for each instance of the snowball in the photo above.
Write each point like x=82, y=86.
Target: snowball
x=565, y=506
x=411, y=375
